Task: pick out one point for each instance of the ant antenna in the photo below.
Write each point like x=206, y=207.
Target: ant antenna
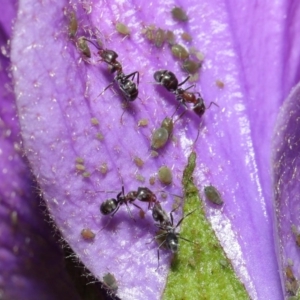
x=198, y=134
x=179, y=116
x=95, y=45
x=213, y=104
x=184, y=81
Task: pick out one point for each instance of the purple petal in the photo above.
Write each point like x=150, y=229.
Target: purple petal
x=30, y=260
x=58, y=98
x=286, y=171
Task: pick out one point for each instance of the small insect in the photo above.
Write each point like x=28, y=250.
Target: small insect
x=87, y=234
x=289, y=274
x=170, y=37
x=143, y=123
x=184, y=97
x=167, y=231
x=170, y=82
x=159, y=138
x=122, y=29
x=179, y=14
x=83, y=47
x=165, y=175
x=161, y=135
x=159, y=38
x=94, y=121
x=112, y=205
x=292, y=284
x=149, y=32
x=138, y=161
x=191, y=66
x=180, y=52
x=125, y=82
x=187, y=37
x=296, y=235
x=213, y=195
x=73, y=24
x=220, y=84
x=110, y=282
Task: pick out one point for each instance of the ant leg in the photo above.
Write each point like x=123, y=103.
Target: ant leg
x=175, y=110
x=198, y=134
x=211, y=104
x=137, y=207
x=95, y=45
x=129, y=211
x=121, y=119
x=190, y=88
x=187, y=240
x=171, y=218
x=115, y=210
x=133, y=75
x=184, y=81
x=106, y=89
x=180, y=116
x=171, y=214
x=157, y=259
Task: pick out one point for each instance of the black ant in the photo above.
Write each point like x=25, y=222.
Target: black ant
x=125, y=82
x=170, y=82
x=111, y=206
x=167, y=232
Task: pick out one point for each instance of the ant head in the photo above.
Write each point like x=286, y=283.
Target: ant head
x=108, y=206
x=145, y=195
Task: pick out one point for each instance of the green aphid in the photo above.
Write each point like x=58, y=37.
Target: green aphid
x=213, y=195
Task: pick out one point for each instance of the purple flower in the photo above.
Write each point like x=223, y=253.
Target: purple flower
x=79, y=142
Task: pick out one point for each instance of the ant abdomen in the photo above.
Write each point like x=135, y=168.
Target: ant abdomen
x=108, y=206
